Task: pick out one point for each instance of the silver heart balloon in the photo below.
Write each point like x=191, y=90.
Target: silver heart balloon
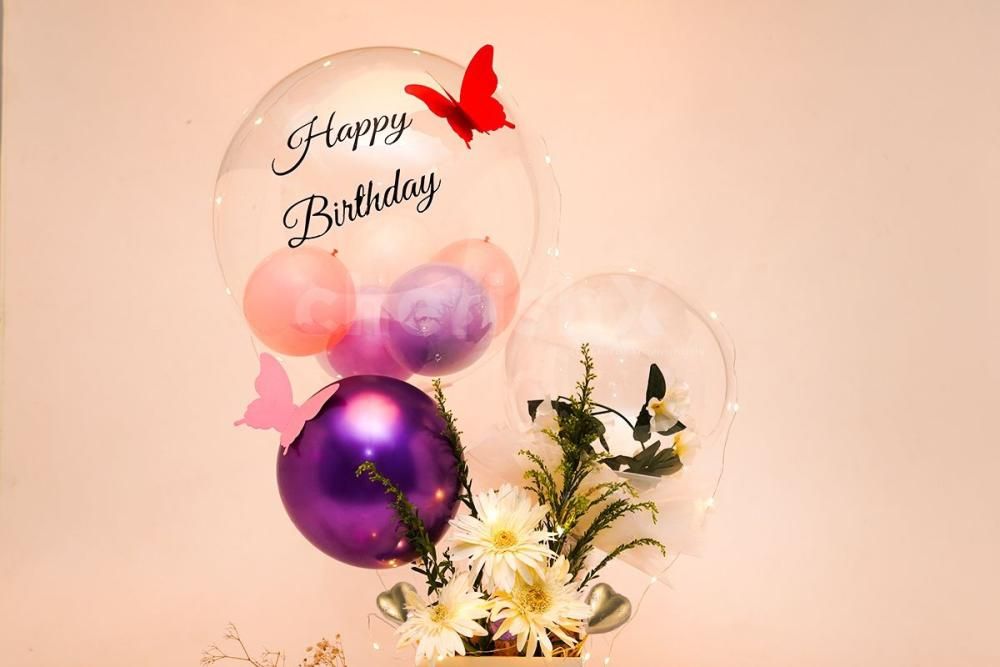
x=609, y=610
x=392, y=603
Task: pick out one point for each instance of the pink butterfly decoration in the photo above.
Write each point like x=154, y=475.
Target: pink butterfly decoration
x=274, y=407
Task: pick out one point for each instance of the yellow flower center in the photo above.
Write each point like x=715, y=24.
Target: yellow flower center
x=504, y=539
x=439, y=613
x=533, y=599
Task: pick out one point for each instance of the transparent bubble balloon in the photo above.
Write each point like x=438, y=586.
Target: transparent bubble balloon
x=347, y=213
x=631, y=322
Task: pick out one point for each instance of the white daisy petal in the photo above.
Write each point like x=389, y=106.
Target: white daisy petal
x=504, y=540
x=437, y=629
x=532, y=609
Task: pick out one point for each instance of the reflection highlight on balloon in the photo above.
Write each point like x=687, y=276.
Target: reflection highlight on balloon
x=438, y=319
x=395, y=426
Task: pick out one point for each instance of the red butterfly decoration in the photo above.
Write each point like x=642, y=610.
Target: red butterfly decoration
x=476, y=108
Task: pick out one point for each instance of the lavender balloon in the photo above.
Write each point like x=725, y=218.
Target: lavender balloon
x=364, y=351
x=398, y=428
x=438, y=319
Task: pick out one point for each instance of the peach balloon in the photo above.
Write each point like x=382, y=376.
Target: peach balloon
x=491, y=267
x=299, y=301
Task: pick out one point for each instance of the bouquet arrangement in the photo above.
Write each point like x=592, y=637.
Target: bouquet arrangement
x=517, y=577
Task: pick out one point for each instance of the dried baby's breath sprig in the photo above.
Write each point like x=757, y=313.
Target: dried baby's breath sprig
x=215, y=653
x=323, y=653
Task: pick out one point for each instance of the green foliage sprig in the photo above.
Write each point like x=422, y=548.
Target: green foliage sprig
x=436, y=570
x=563, y=489
x=454, y=438
x=652, y=460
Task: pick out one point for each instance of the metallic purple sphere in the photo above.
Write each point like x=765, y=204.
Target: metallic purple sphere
x=398, y=428
x=438, y=319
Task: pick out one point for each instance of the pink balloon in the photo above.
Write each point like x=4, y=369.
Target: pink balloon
x=491, y=267
x=299, y=301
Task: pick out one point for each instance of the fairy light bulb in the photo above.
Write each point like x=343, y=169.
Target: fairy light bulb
x=375, y=646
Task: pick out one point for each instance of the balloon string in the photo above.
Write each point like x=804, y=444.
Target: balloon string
x=638, y=607
x=733, y=406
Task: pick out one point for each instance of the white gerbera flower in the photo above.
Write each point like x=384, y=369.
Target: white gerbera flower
x=504, y=540
x=686, y=445
x=533, y=609
x=437, y=629
x=669, y=409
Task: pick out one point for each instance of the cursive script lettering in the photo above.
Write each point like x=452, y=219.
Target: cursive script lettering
x=371, y=129
x=315, y=215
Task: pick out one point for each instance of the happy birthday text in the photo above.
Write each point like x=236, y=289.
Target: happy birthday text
x=316, y=214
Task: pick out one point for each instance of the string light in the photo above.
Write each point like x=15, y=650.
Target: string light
x=375, y=646
x=709, y=503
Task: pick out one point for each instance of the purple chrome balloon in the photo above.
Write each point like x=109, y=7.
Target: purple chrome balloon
x=398, y=428
x=363, y=351
x=438, y=319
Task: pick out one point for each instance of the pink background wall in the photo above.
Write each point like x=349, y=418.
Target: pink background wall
x=824, y=175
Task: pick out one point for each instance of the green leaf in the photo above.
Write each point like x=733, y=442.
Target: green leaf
x=642, y=432
x=645, y=457
x=652, y=461
x=676, y=428
x=603, y=440
x=659, y=464
x=616, y=462
x=656, y=387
